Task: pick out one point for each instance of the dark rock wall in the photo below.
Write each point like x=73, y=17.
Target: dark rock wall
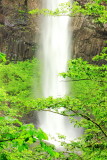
x=17, y=32
x=88, y=38
x=20, y=32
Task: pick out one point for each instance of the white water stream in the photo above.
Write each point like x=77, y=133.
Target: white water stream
x=55, y=44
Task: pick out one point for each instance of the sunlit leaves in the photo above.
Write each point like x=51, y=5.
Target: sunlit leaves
x=94, y=8
x=102, y=55
x=63, y=9
x=2, y=57
x=88, y=102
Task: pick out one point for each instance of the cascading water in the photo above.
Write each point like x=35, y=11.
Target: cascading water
x=55, y=42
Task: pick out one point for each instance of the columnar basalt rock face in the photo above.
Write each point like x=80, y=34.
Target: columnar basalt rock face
x=88, y=38
x=17, y=32
x=20, y=32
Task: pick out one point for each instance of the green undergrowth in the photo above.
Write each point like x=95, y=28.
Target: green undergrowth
x=88, y=100
x=16, y=138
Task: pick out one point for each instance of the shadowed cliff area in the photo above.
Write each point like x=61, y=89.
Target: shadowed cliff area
x=17, y=33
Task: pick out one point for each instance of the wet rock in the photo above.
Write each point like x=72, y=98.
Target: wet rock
x=88, y=37
x=20, y=32
x=17, y=31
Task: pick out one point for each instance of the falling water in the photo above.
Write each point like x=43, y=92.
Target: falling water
x=55, y=42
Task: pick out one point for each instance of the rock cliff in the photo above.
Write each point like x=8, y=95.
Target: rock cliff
x=19, y=31
x=88, y=38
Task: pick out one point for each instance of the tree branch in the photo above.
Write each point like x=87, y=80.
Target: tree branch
x=5, y=140
x=48, y=110
x=88, y=118
x=83, y=80
x=82, y=115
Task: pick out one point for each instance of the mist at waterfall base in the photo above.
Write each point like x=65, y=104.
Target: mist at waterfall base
x=55, y=52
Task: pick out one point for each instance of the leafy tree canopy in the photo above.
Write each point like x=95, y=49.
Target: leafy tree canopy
x=89, y=102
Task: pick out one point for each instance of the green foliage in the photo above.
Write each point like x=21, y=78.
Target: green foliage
x=103, y=55
x=16, y=138
x=90, y=89
x=2, y=57
x=96, y=9
x=88, y=101
x=62, y=9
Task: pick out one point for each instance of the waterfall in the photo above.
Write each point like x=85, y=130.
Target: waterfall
x=55, y=44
